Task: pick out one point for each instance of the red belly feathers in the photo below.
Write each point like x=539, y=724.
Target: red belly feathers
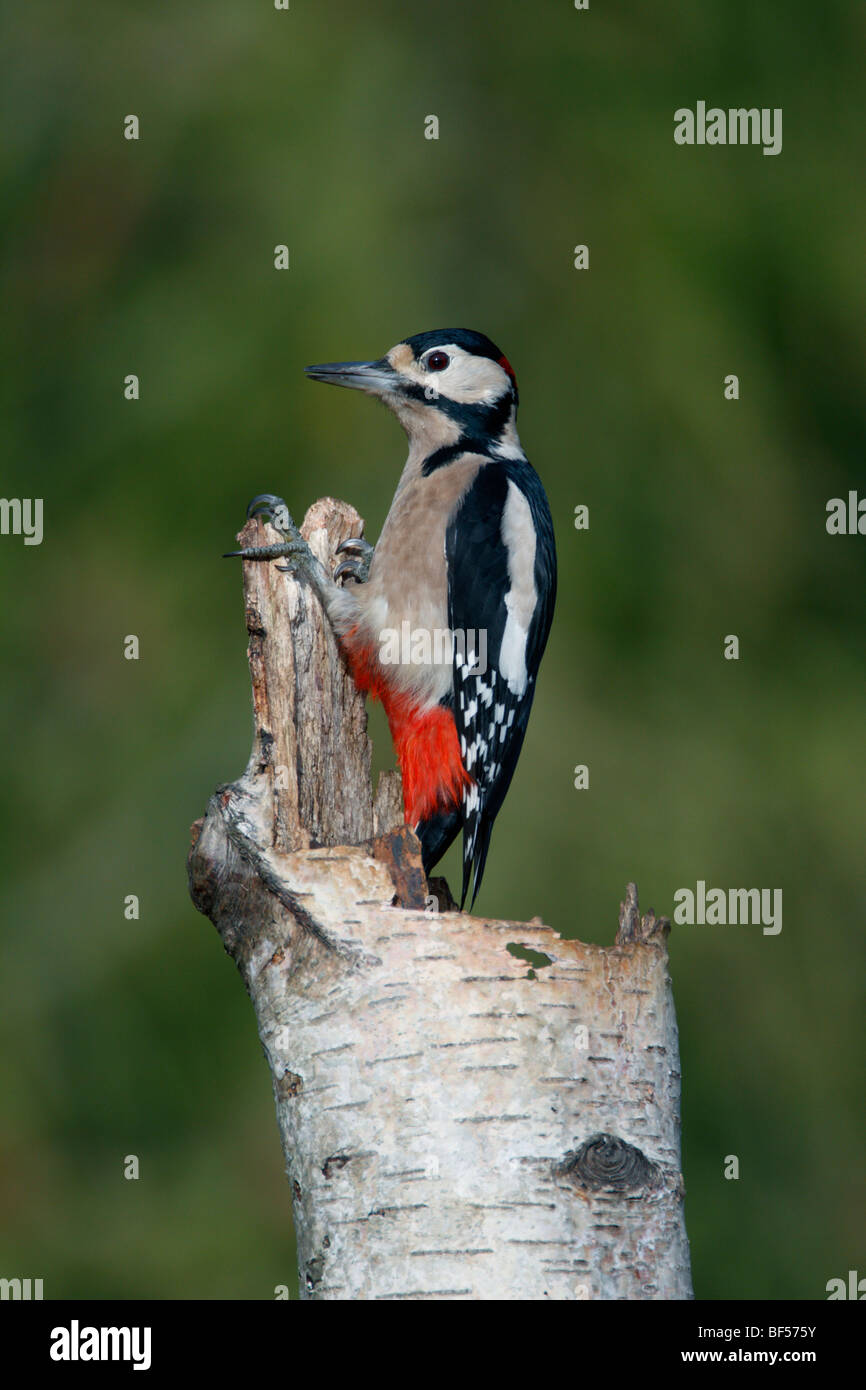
x=425, y=740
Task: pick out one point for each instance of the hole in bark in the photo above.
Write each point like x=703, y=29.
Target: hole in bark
x=535, y=958
x=608, y=1162
x=315, y=1270
x=333, y=1164
x=289, y=1084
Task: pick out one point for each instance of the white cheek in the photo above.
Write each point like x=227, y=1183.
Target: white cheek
x=473, y=380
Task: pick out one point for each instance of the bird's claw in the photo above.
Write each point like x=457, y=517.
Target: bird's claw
x=274, y=508
x=357, y=568
x=294, y=547
x=356, y=543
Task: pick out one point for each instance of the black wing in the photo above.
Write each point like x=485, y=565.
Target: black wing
x=491, y=707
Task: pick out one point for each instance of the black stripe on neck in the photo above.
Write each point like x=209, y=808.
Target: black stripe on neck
x=466, y=444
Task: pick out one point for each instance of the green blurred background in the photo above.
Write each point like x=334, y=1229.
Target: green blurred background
x=306, y=127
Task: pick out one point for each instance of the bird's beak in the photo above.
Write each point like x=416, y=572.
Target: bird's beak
x=375, y=377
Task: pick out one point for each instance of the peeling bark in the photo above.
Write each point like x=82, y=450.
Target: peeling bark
x=469, y=1109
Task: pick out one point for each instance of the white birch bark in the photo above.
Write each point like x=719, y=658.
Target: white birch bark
x=457, y=1123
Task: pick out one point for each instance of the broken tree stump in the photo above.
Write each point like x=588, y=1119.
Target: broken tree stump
x=457, y=1123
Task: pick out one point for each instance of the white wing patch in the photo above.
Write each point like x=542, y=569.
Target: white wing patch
x=518, y=537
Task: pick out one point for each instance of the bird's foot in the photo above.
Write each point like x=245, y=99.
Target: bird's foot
x=294, y=548
x=357, y=567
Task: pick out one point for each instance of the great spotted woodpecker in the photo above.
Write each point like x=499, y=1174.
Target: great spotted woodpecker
x=447, y=618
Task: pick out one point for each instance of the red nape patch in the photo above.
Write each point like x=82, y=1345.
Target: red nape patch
x=504, y=363
x=426, y=741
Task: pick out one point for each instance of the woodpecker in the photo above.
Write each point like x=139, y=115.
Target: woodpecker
x=445, y=621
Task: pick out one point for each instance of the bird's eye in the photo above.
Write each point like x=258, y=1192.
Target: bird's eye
x=437, y=361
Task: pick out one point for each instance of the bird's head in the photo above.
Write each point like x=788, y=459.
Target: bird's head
x=448, y=386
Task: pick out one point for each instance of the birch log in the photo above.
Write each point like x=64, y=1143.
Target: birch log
x=469, y=1109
